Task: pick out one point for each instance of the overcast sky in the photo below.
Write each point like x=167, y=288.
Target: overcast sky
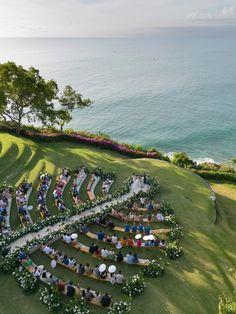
x=98, y=18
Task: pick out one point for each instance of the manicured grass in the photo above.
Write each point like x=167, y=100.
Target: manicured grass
x=193, y=283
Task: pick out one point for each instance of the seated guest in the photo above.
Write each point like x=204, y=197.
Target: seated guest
x=70, y=290
x=65, y=260
x=96, y=271
x=123, y=241
x=130, y=242
x=84, y=229
x=147, y=230
x=127, y=227
x=134, y=228
x=130, y=258
x=114, y=239
x=140, y=228
x=160, y=217
x=119, y=277
x=108, y=238
x=47, y=249
x=111, y=254
x=21, y=256
x=162, y=244
x=88, y=270
x=98, y=252
x=103, y=275
x=150, y=206
x=158, y=205
x=100, y=235
x=106, y=300
x=119, y=257
x=110, y=225
x=98, y=297
x=104, y=253
x=60, y=285
x=87, y=294
x=139, y=243
x=92, y=248
x=80, y=270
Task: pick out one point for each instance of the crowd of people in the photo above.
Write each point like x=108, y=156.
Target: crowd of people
x=62, y=180
x=82, y=269
x=129, y=241
x=79, y=178
x=5, y=200
x=45, y=181
x=106, y=185
x=111, y=254
x=65, y=287
x=22, y=196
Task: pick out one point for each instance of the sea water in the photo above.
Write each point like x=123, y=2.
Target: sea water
x=175, y=90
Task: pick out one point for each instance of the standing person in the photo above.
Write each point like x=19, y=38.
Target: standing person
x=142, y=202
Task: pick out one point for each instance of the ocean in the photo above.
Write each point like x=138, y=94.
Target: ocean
x=175, y=90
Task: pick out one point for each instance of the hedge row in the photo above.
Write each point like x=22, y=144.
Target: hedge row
x=102, y=143
x=216, y=175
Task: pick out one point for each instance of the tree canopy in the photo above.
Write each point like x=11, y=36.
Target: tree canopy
x=25, y=95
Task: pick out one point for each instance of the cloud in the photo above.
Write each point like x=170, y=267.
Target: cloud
x=224, y=14
x=199, y=16
x=228, y=12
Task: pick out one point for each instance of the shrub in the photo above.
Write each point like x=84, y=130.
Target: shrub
x=134, y=285
x=26, y=280
x=173, y=250
x=181, y=159
x=76, y=306
x=166, y=208
x=50, y=297
x=121, y=307
x=154, y=269
x=216, y=175
x=176, y=232
x=227, y=305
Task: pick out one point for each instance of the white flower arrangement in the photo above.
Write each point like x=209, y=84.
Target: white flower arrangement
x=134, y=285
x=50, y=297
x=76, y=306
x=173, y=250
x=154, y=269
x=25, y=280
x=121, y=307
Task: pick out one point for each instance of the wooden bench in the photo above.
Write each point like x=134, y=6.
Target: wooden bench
x=74, y=268
x=85, y=249
x=78, y=291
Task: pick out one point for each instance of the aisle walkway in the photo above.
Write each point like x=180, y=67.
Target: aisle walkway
x=135, y=188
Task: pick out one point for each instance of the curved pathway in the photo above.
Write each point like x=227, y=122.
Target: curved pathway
x=135, y=188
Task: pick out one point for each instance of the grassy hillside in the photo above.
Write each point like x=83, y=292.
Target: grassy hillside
x=191, y=284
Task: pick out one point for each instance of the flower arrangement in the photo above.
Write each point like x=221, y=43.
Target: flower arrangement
x=50, y=297
x=170, y=220
x=121, y=307
x=176, y=232
x=134, y=285
x=166, y=208
x=25, y=280
x=154, y=269
x=173, y=250
x=76, y=306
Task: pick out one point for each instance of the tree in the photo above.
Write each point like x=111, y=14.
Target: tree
x=70, y=100
x=62, y=117
x=25, y=95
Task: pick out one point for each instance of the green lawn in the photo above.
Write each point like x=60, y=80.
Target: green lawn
x=193, y=283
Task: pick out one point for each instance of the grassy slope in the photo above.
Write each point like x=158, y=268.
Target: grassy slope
x=192, y=284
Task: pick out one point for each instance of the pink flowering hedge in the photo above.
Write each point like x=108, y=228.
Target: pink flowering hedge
x=106, y=144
